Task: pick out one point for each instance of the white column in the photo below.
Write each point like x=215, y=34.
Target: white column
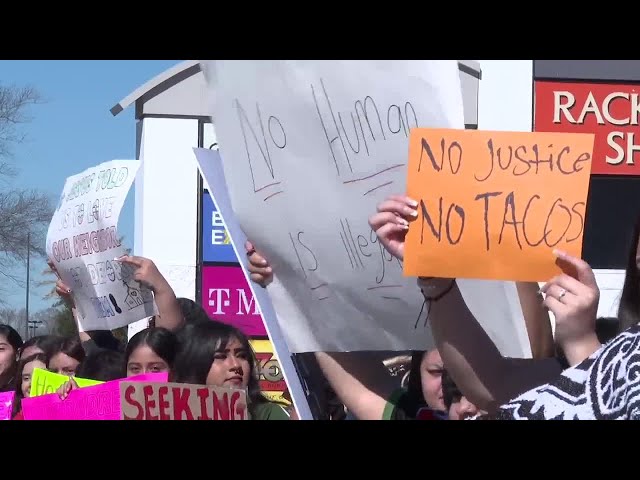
x=166, y=205
x=505, y=95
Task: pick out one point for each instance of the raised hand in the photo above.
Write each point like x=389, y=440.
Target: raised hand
x=260, y=271
x=146, y=273
x=573, y=298
x=391, y=222
x=64, y=390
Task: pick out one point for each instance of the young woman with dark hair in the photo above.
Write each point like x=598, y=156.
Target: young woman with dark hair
x=151, y=350
x=10, y=345
x=66, y=355
x=22, y=383
x=423, y=398
x=220, y=355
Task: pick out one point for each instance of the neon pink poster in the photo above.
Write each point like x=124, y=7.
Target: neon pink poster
x=226, y=297
x=6, y=405
x=100, y=402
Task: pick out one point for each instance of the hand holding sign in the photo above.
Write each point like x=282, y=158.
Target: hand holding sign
x=392, y=222
x=82, y=241
x=64, y=390
x=259, y=269
x=492, y=205
x=146, y=272
x=573, y=298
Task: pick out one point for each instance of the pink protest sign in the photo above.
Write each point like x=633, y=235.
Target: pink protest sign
x=6, y=405
x=226, y=297
x=100, y=402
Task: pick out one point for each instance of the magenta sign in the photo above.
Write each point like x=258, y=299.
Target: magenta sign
x=226, y=297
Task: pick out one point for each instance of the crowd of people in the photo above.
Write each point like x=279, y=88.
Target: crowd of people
x=584, y=368
x=181, y=340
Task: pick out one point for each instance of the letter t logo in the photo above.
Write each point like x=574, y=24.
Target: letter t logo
x=218, y=298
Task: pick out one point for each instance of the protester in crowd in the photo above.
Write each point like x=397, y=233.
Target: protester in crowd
x=23, y=380
x=484, y=376
x=604, y=386
x=369, y=393
x=360, y=387
x=220, y=355
x=66, y=355
x=10, y=345
x=629, y=306
x=423, y=398
x=456, y=404
x=144, y=271
x=151, y=351
x=101, y=364
x=367, y=390
x=40, y=344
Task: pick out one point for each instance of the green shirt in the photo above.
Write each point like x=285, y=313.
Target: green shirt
x=270, y=411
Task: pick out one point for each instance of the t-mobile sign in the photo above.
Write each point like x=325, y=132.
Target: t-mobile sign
x=226, y=297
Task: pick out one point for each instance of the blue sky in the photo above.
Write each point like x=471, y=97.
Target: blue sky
x=72, y=131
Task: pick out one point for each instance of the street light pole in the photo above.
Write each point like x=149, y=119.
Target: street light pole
x=26, y=320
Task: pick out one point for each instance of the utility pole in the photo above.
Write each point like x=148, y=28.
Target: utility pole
x=34, y=325
x=26, y=320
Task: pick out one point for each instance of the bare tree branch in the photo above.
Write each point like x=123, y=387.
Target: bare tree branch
x=21, y=210
x=7, y=171
x=14, y=103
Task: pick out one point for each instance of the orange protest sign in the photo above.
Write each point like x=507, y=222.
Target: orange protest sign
x=494, y=205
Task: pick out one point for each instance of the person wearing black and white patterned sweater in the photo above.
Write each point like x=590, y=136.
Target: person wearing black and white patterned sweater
x=484, y=376
x=605, y=386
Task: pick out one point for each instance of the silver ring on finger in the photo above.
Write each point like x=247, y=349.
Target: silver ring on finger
x=563, y=292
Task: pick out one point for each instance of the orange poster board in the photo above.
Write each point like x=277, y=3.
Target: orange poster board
x=494, y=205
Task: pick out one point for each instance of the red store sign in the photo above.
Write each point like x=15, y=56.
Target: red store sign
x=610, y=111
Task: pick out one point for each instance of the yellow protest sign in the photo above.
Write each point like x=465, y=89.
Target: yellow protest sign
x=44, y=382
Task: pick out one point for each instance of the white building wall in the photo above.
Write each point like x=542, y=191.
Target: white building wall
x=167, y=202
x=505, y=102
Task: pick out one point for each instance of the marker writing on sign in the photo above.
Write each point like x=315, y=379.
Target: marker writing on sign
x=569, y=216
x=520, y=161
x=363, y=255
x=493, y=204
x=308, y=262
x=263, y=176
x=348, y=143
x=175, y=402
x=556, y=211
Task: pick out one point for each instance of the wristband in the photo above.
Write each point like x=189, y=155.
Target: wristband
x=432, y=288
